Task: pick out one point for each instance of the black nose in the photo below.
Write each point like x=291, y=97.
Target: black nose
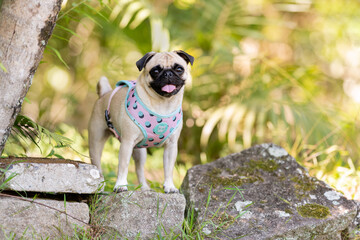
x=168, y=74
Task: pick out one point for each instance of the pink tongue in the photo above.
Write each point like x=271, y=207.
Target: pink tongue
x=168, y=88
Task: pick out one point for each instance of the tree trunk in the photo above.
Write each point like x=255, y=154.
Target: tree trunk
x=25, y=27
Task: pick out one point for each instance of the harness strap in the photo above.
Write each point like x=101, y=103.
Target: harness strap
x=107, y=115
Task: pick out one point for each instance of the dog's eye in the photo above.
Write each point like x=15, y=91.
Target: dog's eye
x=179, y=69
x=155, y=71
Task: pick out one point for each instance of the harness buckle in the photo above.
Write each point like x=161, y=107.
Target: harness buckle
x=107, y=119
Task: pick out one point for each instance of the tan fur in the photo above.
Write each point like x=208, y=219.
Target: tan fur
x=130, y=133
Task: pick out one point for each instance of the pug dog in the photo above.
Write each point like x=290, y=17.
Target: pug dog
x=142, y=113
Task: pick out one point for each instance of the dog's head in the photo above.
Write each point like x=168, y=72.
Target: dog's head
x=165, y=72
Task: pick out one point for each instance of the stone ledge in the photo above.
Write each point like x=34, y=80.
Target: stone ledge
x=140, y=214
x=30, y=220
x=50, y=175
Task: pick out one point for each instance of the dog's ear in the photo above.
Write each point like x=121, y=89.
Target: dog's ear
x=145, y=59
x=187, y=57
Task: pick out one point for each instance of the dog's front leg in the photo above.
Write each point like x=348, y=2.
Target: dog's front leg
x=126, y=149
x=170, y=154
x=139, y=156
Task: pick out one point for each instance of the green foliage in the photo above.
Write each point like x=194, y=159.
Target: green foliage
x=24, y=129
x=265, y=71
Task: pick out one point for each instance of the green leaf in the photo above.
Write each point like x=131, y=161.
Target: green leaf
x=51, y=153
x=89, y=16
x=97, y=12
x=57, y=53
x=74, y=5
x=68, y=30
x=59, y=37
x=26, y=100
x=59, y=156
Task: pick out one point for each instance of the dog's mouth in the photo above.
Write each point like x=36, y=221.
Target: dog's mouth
x=166, y=90
x=169, y=88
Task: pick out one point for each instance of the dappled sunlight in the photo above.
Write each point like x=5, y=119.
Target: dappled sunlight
x=343, y=178
x=58, y=78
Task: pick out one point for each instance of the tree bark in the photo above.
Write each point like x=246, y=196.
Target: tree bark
x=25, y=28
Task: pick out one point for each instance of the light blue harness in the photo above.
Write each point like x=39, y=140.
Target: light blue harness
x=156, y=128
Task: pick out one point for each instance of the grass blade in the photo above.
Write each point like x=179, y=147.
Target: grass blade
x=2, y=67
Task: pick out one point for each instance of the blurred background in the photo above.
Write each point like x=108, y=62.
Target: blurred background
x=286, y=72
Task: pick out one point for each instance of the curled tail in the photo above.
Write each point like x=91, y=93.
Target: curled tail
x=103, y=86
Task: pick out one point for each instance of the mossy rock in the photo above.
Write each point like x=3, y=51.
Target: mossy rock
x=286, y=202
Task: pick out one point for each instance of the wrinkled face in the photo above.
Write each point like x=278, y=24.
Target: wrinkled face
x=166, y=73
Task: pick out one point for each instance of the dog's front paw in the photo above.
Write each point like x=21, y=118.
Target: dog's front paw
x=145, y=187
x=170, y=189
x=119, y=189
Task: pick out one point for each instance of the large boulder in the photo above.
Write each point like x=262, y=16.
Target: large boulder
x=50, y=175
x=29, y=218
x=263, y=193
x=140, y=214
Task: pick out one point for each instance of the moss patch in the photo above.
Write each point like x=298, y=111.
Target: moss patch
x=313, y=210
x=223, y=220
x=303, y=186
x=236, y=180
x=250, y=172
x=269, y=165
x=253, y=167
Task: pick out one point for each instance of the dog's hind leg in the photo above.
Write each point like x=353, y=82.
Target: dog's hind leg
x=139, y=156
x=98, y=135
